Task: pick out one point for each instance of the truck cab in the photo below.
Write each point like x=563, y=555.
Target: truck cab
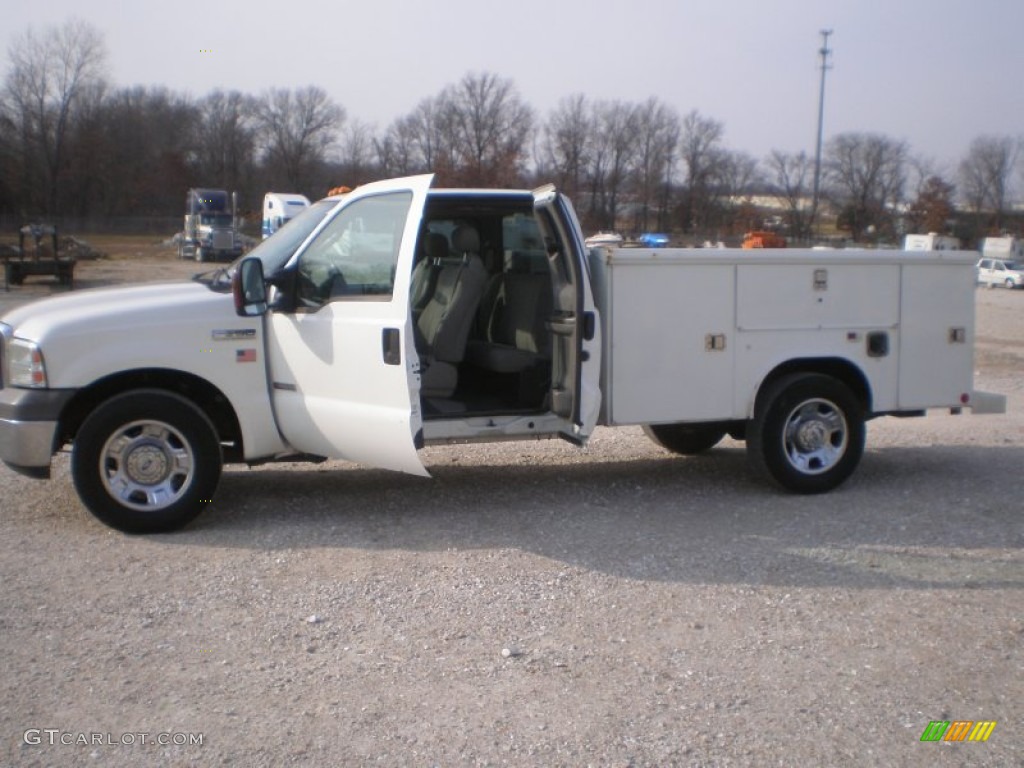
x=210, y=229
x=414, y=316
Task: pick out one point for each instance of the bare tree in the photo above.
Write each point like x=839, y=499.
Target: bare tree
x=226, y=138
x=492, y=127
x=433, y=136
x=568, y=137
x=396, y=151
x=985, y=175
x=297, y=129
x=866, y=173
x=48, y=76
x=657, y=139
x=80, y=179
x=789, y=176
x=701, y=139
x=356, y=153
x=149, y=157
x=611, y=160
x=420, y=142
x=736, y=176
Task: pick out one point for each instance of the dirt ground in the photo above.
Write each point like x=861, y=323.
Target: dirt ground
x=534, y=604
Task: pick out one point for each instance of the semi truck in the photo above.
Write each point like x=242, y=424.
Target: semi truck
x=211, y=226
x=399, y=316
x=279, y=208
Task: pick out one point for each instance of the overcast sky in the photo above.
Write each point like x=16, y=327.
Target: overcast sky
x=936, y=73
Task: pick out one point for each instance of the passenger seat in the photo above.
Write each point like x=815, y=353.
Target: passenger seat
x=443, y=324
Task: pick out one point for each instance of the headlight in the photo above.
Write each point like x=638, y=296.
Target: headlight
x=25, y=365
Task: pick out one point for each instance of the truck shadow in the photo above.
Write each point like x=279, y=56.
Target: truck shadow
x=910, y=517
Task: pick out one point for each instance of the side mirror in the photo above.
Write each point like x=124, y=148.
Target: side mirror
x=249, y=288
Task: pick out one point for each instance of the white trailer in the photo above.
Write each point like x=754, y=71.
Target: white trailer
x=1005, y=248
x=398, y=316
x=279, y=208
x=931, y=242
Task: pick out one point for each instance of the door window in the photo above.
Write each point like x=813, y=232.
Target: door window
x=354, y=256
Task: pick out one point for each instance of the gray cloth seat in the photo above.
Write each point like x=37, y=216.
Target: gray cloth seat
x=442, y=327
x=424, y=275
x=512, y=320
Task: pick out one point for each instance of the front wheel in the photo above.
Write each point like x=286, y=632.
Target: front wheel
x=200, y=255
x=1010, y=284
x=146, y=461
x=808, y=433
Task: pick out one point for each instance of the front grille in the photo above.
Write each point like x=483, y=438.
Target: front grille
x=222, y=241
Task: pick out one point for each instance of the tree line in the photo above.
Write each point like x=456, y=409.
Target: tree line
x=74, y=145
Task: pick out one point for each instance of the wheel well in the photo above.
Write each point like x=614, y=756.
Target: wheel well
x=199, y=391
x=842, y=370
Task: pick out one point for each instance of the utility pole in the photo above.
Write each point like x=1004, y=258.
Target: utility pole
x=824, y=52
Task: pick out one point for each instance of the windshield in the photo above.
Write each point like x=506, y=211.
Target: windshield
x=1012, y=266
x=216, y=219
x=275, y=251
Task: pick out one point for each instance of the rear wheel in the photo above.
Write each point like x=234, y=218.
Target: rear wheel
x=146, y=461
x=686, y=439
x=808, y=434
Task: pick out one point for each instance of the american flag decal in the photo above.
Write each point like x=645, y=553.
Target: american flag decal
x=245, y=355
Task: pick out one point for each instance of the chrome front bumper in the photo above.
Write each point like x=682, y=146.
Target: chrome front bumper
x=27, y=445
x=29, y=424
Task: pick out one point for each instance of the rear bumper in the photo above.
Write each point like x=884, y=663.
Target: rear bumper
x=987, y=402
x=29, y=421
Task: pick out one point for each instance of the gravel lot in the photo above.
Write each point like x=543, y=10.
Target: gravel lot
x=535, y=605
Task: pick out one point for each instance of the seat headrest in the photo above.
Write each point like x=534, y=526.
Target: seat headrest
x=465, y=239
x=436, y=246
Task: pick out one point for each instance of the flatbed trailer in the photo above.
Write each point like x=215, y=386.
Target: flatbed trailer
x=18, y=267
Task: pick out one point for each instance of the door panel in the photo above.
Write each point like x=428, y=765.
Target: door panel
x=576, y=330
x=344, y=369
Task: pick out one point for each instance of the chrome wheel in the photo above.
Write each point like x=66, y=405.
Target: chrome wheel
x=146, y=461
x=815, y=436
x=147, y=465
x=807, y=433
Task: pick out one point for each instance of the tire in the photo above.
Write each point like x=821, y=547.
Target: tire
x=200, y=255
x=686, y=439
x=807, y=434
x=146, y=461
x=1010, y=284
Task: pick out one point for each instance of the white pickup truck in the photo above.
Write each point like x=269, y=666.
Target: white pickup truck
x=398, y=316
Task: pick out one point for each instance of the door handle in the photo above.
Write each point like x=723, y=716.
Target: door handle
x=391, y=346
